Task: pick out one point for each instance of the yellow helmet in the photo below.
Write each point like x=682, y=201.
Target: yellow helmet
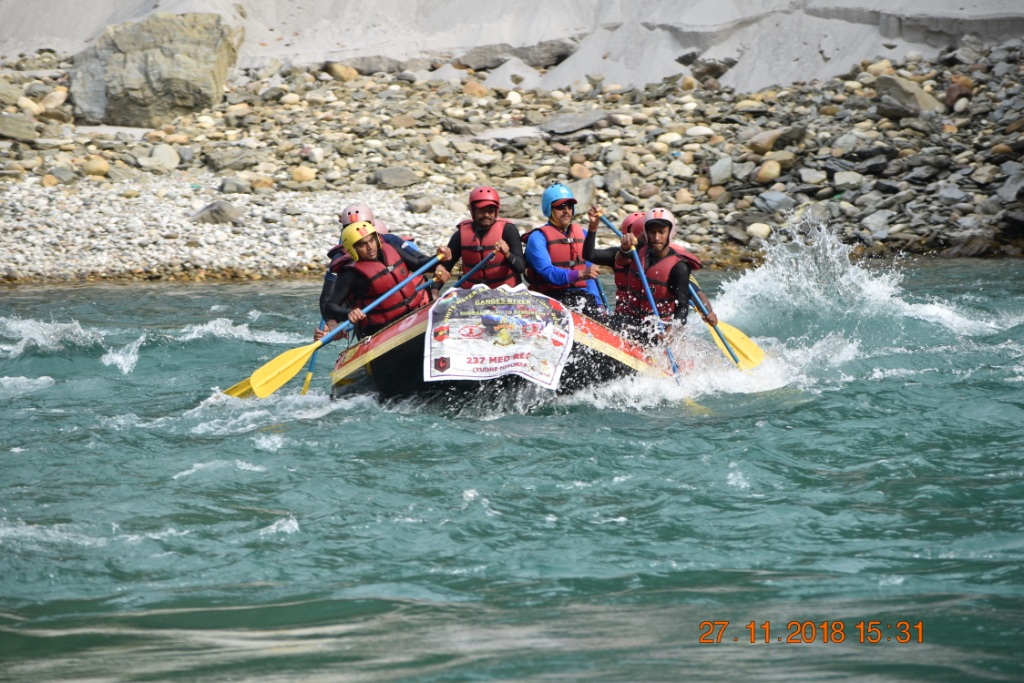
x=353, y=233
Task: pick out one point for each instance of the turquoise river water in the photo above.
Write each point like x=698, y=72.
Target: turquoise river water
x=854, y=506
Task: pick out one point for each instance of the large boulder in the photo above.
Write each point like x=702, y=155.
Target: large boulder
x=144, y=74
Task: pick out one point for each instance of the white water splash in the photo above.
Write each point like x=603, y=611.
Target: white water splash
x=269, y=442
x=220, y=414
x=125, y=359
x=200, y=467
x=43, y=335
x=281, y=526
x=223, y=328
x=13, y=387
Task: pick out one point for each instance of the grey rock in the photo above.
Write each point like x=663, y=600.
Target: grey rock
x=218, y=211
x=616, y=179
x=878, y=223
x=233, y=185
x=1014, y=184
x=585, y=192
x=813, y=176
x=951, y=194
x=146, y=73
x=163, y=159
x=9, y=94
x=396, y=176
x=848, y=180
x=17, y=127
x=232, y=158
x=908, y=94
x=721, y=171
x=65, y=175
x=372, y=64
x=440, y=150
x=775, y=202
x=547, y=53
x=485, y=57
x=569, y=123
x=419, y=205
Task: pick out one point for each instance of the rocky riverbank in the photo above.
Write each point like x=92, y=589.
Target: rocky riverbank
x=918, y=156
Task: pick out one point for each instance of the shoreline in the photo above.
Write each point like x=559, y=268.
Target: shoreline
x=913, y=158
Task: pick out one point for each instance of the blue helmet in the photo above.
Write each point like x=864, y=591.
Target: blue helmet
x=557, y=192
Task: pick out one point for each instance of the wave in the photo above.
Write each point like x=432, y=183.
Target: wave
x=48, y=337
x=124, y=358
x=13, y=387
x=223, y=328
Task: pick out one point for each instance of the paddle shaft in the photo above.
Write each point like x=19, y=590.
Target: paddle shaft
x=704, y=310
x=467, y=274
x=649, y=293
x=312, y=363
x=347, y=325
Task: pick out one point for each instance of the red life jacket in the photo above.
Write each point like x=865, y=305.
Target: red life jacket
x=621, y=274
x=632, y=299
x=497, y=272
x=339, y=259
x=382, y=277
x=694, y=262
x=565, y=250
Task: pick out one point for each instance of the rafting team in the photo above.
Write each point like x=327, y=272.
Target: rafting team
x=558, y=259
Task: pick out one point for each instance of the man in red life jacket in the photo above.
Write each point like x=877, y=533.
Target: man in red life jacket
x=667, y=268
x=339, y=257
x=483, y=234
x=376, y=267
x=632, y=227
x=555, y=265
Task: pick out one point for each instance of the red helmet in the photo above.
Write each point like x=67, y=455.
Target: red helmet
x=485, y=196
x=634, y=224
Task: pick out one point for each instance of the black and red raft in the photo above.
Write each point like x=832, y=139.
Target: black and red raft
x=505, y=337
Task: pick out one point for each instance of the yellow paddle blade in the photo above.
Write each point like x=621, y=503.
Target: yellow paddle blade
x=241, y=390
x=305, y=383
x=747, y=352
x=696, y=408
x=275, y=374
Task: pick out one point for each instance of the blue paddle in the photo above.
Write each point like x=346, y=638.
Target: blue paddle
x=428, y=283
x=650, y=298
x=275, y=374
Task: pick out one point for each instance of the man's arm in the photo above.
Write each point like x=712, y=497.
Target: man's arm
x=516, y=259
x=455, y=245
x=539, y=259
x=679, y=286
x=337, y=306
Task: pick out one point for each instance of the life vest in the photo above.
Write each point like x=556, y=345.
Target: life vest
x=497, y=271
x=382, y=276
x=632, y=299
x=339, y=259
x=565, y=250
x=621, y=274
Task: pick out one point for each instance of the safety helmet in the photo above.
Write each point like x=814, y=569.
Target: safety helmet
x=660, y=214
x=556, y=193
x=353, y=233
x=356, y=212
x=485, y=196
x=634, y=224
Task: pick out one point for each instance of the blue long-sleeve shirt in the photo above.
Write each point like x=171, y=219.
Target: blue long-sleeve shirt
x=538, y=258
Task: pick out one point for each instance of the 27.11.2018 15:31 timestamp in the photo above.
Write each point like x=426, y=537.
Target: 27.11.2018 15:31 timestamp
x=875, y=631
